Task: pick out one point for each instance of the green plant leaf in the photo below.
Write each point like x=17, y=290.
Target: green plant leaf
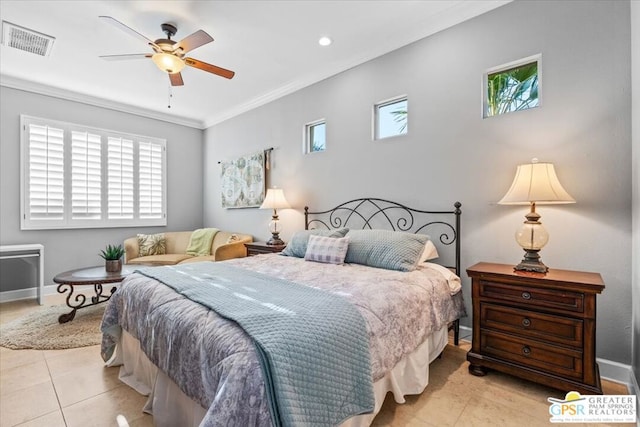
x=112, y=252
x=512, y=90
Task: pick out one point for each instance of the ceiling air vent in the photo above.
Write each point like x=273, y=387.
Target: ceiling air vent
x=25, y=39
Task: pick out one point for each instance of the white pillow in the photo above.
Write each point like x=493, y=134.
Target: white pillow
x=452, y=279
x=429, y=252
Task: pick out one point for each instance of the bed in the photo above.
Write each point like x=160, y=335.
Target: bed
x=199, y=368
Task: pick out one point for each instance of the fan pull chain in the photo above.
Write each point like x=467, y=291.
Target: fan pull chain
x=170, y=96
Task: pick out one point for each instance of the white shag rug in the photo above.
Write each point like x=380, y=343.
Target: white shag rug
x=40, y=329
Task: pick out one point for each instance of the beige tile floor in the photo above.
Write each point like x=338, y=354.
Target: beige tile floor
x=72, y=388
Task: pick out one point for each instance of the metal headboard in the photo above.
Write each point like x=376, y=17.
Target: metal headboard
x=370, y=213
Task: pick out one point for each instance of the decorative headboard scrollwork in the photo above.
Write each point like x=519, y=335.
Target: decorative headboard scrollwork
x=373, y=213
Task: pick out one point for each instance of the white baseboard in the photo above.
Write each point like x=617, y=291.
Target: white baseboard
x=28, y=293
x=466, y=333
x=634, y=388
x=614, y=371
x=609, y=370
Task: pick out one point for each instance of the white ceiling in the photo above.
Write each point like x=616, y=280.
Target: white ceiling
x=271, y=45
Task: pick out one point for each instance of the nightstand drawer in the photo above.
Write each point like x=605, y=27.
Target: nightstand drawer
x=258, y=248
x=528, y=296
x=531, y=324
x=532, y=353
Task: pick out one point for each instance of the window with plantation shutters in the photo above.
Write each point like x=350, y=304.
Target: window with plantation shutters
x=150, y=179
x=81, y=177
x=86, y=175
x=120, y=178
x=46, y=172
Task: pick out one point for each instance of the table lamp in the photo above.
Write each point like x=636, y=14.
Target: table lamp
x=274, y=199
x=534, y=183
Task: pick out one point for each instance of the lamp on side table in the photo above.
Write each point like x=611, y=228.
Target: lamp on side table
x=274, y=199
x=534, y=183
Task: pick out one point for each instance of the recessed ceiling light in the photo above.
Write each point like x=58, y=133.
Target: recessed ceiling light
x=325, y=41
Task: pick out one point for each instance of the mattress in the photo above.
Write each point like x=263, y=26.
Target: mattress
x=170, y=343
x=170, y=407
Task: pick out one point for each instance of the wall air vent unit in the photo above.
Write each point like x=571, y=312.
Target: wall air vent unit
x=25, y=39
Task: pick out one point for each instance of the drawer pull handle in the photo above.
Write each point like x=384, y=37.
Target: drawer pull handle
x=526, y=350
x=526, y=295
x=526, y=322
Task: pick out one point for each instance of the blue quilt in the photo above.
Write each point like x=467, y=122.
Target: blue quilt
x=312, y=345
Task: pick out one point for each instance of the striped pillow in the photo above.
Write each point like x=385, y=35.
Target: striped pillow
x=330, y=250
x=297, y=246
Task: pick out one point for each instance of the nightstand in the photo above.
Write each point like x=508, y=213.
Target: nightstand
x=540, y=327
x=257, y=248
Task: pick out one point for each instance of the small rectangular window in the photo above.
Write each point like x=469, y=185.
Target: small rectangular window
x=315, y=136
x=391, y=118
x=512, y=87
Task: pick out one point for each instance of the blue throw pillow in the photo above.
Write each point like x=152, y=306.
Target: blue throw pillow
x=297, y=246
x=392, y=250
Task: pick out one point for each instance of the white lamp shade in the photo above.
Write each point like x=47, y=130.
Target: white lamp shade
x=536, y=183
x=274, y=199
x=168, y=62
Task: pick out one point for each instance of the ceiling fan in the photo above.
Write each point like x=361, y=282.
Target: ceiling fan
x=168, y=54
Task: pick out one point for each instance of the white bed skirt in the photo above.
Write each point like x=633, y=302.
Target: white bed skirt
x=171, y=407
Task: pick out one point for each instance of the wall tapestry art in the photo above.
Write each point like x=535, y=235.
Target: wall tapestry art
x=243, y=181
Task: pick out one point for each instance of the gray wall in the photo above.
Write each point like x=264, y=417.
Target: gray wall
x=69, y=249
x=451, y=153
x=635, y=72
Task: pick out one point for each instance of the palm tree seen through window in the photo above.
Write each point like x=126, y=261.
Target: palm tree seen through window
x=513, y=89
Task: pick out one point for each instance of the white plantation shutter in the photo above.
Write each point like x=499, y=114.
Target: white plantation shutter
x=86, y=178
x=120, y=178
x=46, y=173
x=150, y=174
x=75, y=176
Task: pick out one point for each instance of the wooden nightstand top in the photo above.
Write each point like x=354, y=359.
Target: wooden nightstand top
x=589, y=279
x=256, y=248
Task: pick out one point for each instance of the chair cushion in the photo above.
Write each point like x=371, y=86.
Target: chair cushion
x=166, y=259
x=198, y=259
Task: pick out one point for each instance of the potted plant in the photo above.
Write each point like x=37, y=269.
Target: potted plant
x=112, y=255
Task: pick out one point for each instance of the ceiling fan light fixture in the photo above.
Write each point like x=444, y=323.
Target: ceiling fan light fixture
x=168, y=62
x=168, y=55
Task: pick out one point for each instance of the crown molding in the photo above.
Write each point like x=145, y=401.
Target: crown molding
x=41, y=89
x=458, y=12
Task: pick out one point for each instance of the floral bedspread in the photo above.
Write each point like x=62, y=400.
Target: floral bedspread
x=214, y=361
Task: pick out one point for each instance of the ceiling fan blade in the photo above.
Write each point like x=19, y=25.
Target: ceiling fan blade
x=126, y=56
x=227, y=74
x=193, y=41
x=176, y=79
x=129, y=30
